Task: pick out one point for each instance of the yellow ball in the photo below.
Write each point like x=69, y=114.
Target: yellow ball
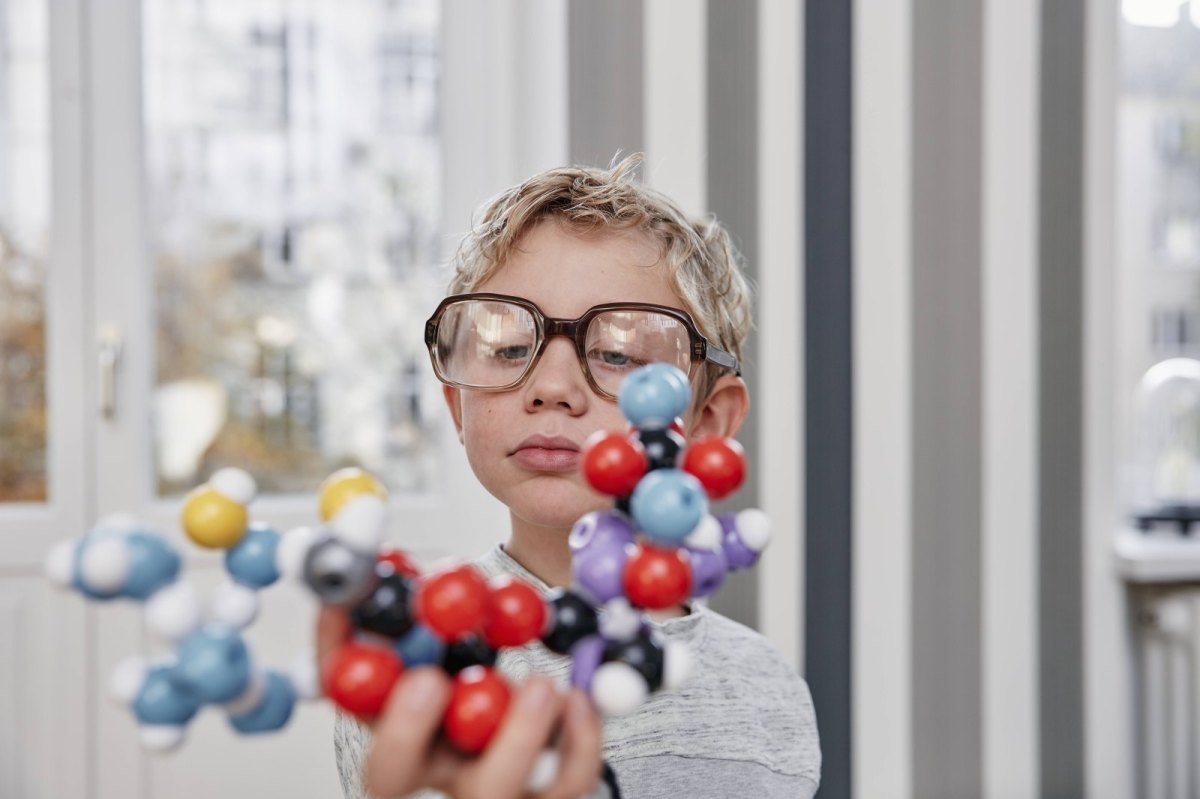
x=343, y=486
x=214, y=520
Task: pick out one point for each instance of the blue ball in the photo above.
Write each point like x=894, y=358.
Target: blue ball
x=164, y=701
x=214, y=664
x=273, y=712
x=153, y=564
x=668, y=504
x=653, y=395
x=420, y=647
x=252, y=561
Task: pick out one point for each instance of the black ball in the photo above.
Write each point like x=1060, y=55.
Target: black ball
x=662, y=447
x=470, y=650
x=642, y=654
x=337, y=574
x=387, y=610
x=572, y=618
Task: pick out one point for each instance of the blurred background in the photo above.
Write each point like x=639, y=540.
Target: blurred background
x=974, y=227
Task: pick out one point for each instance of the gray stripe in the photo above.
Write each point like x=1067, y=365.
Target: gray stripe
x=947, y=401
x=604, y=83
x=1060, y=487
x=732, y=189
x=828, y=325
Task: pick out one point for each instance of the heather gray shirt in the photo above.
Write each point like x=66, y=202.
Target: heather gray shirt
x=742, y=725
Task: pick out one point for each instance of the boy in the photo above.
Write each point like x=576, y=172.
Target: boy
x=560, y=244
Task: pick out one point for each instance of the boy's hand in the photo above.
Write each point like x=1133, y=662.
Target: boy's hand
x=407, y=754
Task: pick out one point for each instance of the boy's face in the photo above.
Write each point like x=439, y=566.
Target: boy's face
x=564, y=274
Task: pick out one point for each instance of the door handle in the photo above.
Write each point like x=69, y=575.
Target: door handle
x=108, y=340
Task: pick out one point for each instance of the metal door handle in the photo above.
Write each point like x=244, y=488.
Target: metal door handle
x=108, y=340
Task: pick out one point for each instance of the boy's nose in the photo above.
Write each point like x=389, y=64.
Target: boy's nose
x=557, y=380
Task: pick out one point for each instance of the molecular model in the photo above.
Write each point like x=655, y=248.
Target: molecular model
x=655, y=549
x=210, y=663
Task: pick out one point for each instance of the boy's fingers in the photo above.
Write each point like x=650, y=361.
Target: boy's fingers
x=401, y=753
x=505, y=766
x=580, y=751
x=333, y=630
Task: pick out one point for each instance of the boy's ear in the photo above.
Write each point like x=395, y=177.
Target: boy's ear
x=722, y=411
x=453, y=399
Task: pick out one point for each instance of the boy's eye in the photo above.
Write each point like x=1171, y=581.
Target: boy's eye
x=513, y=352
x=613, y=358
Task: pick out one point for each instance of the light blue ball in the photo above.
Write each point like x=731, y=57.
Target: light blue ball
x=420, y=647
x=252, y=561
x=273, y=712
x=164, y=701
x=153, y=564
x=653, y=395
x=668, y=504
x=214, y=664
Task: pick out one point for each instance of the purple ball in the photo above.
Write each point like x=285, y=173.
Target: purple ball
x=598, y=571
x=709, y=567
x=600, y=529
x=737, y=554
x=585, y=659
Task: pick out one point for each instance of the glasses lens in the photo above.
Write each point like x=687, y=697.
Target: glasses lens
x=620, y=341
x=485, y=343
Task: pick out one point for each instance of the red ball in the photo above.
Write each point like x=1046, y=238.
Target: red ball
x=478, y=700
x=718, y=463
x=453, y=602
x=518, y=613
x=656, y=577
x=360, y=677
x=613, y=463
x=400, y=562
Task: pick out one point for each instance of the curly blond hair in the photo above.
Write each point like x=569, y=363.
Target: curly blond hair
x=703, y=266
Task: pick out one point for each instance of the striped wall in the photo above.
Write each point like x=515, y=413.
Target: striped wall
x=922, y=189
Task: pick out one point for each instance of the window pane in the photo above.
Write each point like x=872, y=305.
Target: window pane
x=24, y=244
x=293, y=161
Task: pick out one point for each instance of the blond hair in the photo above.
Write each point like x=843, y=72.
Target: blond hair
x=703, y=267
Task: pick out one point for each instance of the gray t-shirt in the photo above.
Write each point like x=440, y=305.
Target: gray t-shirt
x=742, y=725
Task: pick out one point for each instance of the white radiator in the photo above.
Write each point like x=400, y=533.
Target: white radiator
x=1168, y=632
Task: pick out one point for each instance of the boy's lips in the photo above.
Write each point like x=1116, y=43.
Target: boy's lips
x=547, y=454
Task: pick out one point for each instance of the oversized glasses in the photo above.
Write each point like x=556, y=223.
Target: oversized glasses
x=491, y=342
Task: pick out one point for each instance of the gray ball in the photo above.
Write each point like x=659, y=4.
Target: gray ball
x=337, y=574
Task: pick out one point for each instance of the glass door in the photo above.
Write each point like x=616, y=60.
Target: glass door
x=266, y=241
x=43, y=491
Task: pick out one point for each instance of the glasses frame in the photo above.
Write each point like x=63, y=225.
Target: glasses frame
x=701, y=349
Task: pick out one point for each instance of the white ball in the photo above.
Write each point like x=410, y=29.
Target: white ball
x=302, y=674
x=618, y=689
x=293, y=549
x=104, y=565
x=754, y=528
x=233, y=604
x=544, y=772
x=59, y=566
x=618, y=620
x=359, y=523
x=237, y=484
x=161, y=737
x=173, y=612
x=706, y=535
x=251, y=698
x=677, y=664
x=127, y=679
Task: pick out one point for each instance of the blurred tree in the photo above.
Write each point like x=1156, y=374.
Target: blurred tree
x=22, y=374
